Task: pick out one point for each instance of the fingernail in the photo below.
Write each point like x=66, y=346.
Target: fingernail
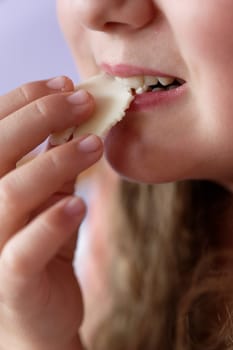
x=57, y=83
x=74, y=206
x=78, y=97
x=91, y=143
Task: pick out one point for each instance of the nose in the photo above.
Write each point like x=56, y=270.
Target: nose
x=100, y=15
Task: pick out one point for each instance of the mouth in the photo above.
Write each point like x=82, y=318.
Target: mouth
x=142, y=84
x=150, y=89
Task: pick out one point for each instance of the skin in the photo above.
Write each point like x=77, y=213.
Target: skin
x=188, y=139
x=191, y=138
x=188, y=39
x=38, y=233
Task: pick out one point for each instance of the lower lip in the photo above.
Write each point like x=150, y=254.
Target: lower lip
x=149, y=100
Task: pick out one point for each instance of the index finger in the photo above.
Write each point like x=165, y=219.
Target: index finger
x=27, y=93
x=26, y=188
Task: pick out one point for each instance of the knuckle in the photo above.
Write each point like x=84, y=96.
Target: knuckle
x=42, y=108
x=30, y=92
x=46, y=225
x=62, y=165
x=54, y=162
x=50, y=110
x=24, y=93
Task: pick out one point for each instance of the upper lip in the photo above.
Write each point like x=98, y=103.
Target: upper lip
x=126, y=71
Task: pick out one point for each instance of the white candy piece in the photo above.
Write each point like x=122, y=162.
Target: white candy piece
x=112, y=98
x=61, y=137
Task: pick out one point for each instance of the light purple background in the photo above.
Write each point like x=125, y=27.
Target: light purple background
x=31, y=44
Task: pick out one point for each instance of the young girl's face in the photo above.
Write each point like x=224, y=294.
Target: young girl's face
x=168, y=135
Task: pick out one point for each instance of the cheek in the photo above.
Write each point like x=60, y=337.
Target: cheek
x=204, y=34
x=76, y=37
x=203, y=31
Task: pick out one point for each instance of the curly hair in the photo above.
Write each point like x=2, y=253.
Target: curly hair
x=171, y=284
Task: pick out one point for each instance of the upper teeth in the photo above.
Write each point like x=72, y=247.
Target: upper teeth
x=166, y=81
x=150, y=80
x=132, y=82
x=141, y=83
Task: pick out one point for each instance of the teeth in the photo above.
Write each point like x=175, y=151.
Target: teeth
x=141, y=89
x=166, y=80
x=158, y=89
x=171, y=87
x=149, y=80
x=141, y=84
x=133, y=82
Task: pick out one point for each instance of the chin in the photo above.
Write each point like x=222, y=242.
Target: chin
x=126, y=158
x=124, y=154
x=118, y=153
x=130, y=172
x=129, y=154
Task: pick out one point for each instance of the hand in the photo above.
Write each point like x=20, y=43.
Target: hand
x=40, y=300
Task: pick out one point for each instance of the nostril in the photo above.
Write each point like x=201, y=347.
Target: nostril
x=116, y=14
x=113, y=26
